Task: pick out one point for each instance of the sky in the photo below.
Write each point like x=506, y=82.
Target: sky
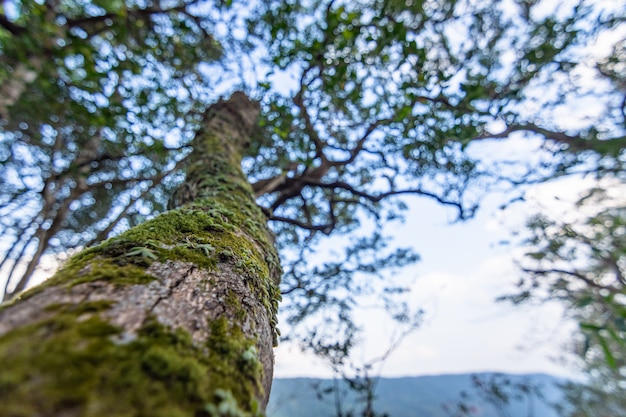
x=464, y=267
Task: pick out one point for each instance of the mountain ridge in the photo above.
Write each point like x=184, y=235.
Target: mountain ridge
x=418, y=396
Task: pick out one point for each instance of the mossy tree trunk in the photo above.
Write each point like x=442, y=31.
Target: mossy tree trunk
x=175, y=317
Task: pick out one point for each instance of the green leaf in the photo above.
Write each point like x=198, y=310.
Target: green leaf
x=142, y=252
x=608, y=355
x=206, y=248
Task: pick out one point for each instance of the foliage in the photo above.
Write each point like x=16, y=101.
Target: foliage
x=583, y=264
x=391, y=98
x=359, y=381
x=503, y=393
x=601, y=396
x=98, y=98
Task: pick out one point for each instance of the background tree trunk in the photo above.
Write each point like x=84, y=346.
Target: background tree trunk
x=175, y=317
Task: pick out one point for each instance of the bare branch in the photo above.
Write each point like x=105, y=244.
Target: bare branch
x=90, y=20
x=104, y=233
x=154, y=181
x=575, y=142
x=136, y=12
x=10, y=26
x=360, y=145
x=298, y=100
x=354, y=152
x=6, y=294
x=324, y=228
x=378, y=197
x=574, y=274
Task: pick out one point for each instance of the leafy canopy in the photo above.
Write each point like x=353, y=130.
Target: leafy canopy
x=395, y=98
x=581, y=262
x=98, y=97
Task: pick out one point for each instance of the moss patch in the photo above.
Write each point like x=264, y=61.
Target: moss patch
x=102, y=269
x=70, y=364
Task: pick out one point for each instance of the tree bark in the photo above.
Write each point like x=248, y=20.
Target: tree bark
x=175, y=317
x=11, y=88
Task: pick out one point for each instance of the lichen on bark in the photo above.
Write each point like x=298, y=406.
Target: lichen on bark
x=174, y=317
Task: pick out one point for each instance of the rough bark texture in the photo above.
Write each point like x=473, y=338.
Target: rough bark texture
x=11, y=88
x=175, y=317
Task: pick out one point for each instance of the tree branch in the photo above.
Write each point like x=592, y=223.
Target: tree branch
x=136, y=12
x=104, y=233
x=354, y=152
x=324, y=228
x=574, y=142
x=298, y=100
x=574, y=274
x=378, y=197
x=11, y=27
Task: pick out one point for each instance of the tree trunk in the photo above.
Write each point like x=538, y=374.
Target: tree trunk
x=175, y=317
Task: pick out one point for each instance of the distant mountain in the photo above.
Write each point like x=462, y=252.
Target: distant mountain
x=423, y=396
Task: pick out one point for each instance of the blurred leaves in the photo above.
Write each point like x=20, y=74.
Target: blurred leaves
x=582, y=263
x=501, y=392
x=388, y=95
x=90, y=136
x=378, y=99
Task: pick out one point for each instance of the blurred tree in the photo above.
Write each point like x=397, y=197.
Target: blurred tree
x=396, y=98
x=362, y=103
x=583, y=264
x=505, y=394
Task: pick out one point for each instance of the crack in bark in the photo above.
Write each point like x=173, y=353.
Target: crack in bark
x=171, y=288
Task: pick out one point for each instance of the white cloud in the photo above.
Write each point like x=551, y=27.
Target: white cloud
x=465, y=332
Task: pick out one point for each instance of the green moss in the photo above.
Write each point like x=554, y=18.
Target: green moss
x=210, y=231
x=219, y=223
x=226, y=405
x=228, y=347
x=71, y=365
x=204, y=233
x=234, y=303
x=192, y=234
x=83, y=308
x=103, y=269
x=89, y=266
